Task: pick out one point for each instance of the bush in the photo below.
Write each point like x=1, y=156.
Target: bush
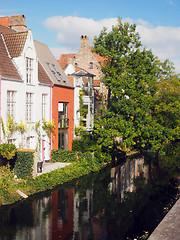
x=6, y=177
x=7, y=150
x=62, y=155
x=23, y=165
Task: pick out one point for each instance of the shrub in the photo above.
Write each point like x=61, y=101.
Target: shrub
x=7, y=150
x=62, y=155
x=6, y=176
x=23, y=165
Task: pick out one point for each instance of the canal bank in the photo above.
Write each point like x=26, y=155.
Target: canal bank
x=169, y=227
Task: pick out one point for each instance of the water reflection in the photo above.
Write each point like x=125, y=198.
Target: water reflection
x=122, y=177
x=98, y=207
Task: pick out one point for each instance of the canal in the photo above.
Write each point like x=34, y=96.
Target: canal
x=124, y=201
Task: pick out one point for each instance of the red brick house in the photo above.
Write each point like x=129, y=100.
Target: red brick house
x=62, y=98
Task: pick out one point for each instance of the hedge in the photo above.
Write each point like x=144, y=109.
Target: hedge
x=23, y=164
x=63, y=156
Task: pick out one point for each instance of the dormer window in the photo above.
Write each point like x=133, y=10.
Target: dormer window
x=75, y=64
x=91, y=65
x=29, y=70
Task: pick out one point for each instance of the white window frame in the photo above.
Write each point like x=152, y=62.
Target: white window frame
x=29, y=106
x=11, y=103
x=44, y=106
x=29, y=70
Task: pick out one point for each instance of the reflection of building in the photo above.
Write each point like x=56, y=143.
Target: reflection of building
x=123, y=176
x=83, y=215
x=62, y=214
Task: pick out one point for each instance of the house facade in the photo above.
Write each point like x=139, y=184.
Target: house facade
x=90, y=62
x=49, y=92
x=84, y=100
x=24, y=96
x=62, y=98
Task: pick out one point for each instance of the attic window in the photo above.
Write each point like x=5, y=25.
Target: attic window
x=91, y=65
x=75, y=64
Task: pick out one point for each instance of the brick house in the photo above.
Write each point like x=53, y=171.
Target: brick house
x=62, y=98
x=90, y=62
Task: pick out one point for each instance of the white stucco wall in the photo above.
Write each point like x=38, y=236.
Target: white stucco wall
x=21, y=88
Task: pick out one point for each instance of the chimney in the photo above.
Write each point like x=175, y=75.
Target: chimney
x=84, y=41
x=18, y=23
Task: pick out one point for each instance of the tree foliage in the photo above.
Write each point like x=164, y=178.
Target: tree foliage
x=136, y=82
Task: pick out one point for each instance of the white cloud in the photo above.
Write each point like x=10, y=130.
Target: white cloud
x=164, y=41
x=170, y=2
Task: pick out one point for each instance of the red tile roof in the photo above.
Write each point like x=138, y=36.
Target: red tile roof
x=5, y=21
x=5, y=30
x=15, y=43
x=42, y=75
x=63, y=61
x=7, y=68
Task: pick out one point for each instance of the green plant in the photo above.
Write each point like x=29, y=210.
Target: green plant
x=7, y=150
x=23, y=165
x=10, y=129
x=48, y=127
x=62, y=155
x=6, y=176
x=22, y=129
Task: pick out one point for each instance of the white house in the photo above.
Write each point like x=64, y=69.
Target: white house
x=83, y=88
x=25, y=90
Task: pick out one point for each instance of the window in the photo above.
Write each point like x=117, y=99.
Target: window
x=91, y=65
x=63, y=120
x=29, y=106
x=29, y=69
x=75, y=64
x=11, y=103
x=44, y=106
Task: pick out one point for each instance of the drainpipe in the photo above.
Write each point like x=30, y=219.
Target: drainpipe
x=50, y=117
x=0, y=109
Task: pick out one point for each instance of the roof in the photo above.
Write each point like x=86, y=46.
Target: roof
x=5, y=21
x=63, y=61
x=42, y=75
x=83, y=73
x=7, y=68
x=16, y=22
x=15, y=43
x=5, y=30
x=51, y=66
x=99, y=58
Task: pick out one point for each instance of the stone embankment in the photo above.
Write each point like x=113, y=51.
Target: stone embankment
x=169, y=227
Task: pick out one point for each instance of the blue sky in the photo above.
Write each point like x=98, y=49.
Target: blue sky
x=60, y=23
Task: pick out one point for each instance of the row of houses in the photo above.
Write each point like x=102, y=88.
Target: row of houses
x=36, y=88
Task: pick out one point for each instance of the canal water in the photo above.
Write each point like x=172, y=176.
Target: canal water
x=123, y=201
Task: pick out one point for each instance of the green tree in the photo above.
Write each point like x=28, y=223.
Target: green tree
x=131, y=74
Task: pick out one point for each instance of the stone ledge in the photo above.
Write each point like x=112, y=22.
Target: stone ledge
x=169, y=227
